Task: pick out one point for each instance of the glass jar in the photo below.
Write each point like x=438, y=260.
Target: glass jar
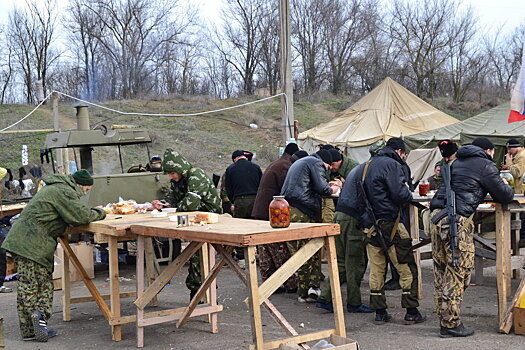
x=505, y=174
x=424, y=187
x=279, y=210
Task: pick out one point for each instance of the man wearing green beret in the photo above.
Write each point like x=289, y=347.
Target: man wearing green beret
x=32, y=241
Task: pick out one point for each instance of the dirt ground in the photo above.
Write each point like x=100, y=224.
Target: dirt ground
x=89, y=330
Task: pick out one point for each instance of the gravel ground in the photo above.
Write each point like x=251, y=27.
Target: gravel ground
x=89, y=330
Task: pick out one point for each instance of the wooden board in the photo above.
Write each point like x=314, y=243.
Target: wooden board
x=236, y=232
x=11, y=209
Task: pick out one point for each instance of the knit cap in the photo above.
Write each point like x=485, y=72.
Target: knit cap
x=83, y=177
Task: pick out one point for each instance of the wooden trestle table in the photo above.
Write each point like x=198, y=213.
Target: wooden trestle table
x=223, y=237
x=508, y=256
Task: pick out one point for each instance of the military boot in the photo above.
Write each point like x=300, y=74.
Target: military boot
x=458, y=331
x=382, y=318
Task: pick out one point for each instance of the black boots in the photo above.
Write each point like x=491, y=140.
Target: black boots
x=458, y=331
x=417, y=318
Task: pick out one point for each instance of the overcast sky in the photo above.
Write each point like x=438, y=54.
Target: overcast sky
x=492, y=13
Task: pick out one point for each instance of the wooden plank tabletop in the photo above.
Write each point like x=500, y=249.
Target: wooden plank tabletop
x=115, y=225
x=237, y=232
x=11, y=209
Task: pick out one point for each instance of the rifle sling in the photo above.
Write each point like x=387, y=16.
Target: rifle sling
x=396, y=223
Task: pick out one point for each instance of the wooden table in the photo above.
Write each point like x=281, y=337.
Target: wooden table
x=504, y=253
x=11, y=209
x=113, y=229
x=223, y=237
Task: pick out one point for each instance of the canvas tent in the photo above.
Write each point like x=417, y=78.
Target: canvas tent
x=491, y=124
x=387, y=111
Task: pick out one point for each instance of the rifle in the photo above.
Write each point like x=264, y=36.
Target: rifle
x=451, y=213
x=371, y=214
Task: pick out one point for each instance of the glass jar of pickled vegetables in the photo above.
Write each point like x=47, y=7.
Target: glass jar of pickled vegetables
x=279, y=210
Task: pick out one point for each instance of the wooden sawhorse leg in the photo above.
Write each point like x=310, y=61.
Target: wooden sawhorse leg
x=114, y=285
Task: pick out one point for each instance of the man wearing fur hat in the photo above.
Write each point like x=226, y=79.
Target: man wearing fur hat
x=515, y=163
x=303, y=186
x=32, y=240
x=190, y=190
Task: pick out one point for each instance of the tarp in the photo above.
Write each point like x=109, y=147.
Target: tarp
x=387, y=111
x=492, y=124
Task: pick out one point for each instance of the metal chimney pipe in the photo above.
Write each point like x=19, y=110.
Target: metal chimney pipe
x=86, y=159
x=82, y=118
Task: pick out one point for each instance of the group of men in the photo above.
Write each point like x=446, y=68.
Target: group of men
x=368, y=201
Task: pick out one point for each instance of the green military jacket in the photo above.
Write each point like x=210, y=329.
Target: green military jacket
x=195, y=191
x=46, y=217
x=347, y=165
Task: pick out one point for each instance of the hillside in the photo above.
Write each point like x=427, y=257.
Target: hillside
x=207, y=141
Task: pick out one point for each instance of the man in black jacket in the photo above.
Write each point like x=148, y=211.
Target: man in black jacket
x=305, y=182
x=473, y=174
x=386, y=185
x=242, y=181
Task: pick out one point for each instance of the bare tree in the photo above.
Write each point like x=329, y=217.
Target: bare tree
x=239, y=40
x=132, y=32
x=379, y=57
x=343, y=25
x=421, y=32
x=270, y=47
x=307, y=41
x=7, y=69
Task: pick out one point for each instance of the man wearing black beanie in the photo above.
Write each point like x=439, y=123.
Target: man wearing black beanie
x=471, y=176
x=515, y=163
x=384, y=181
x=305, y=183
x=274, y=255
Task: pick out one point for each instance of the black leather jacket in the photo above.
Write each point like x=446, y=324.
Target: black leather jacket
x=473, y=175
x=305, y=183
x=385, y=185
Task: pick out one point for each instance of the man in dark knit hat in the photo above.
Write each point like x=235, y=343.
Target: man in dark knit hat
x=472, y=175
x=303, y=186
x=515, y=163
x=32, y=241
x=447, y=149
x=274, y=255
x=385, y=180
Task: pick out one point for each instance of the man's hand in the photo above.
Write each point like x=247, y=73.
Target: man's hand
x=158, y=204
x=508, y=159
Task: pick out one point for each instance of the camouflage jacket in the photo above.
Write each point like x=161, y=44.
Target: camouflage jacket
x=347, y=165
x=195, y=191
x=46, y=217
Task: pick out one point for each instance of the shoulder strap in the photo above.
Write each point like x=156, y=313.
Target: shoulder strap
x=365, y=170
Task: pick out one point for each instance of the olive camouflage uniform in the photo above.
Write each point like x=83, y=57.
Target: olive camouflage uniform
x=34, y=292
x=194, y=192
x=33, y=240
x=450, y=283
x=271, y=257
x=308, y=274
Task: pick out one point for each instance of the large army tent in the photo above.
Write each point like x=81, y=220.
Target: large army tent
x=387, y=111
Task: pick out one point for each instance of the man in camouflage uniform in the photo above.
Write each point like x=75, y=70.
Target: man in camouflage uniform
x=32, y=241
x=190, y=190
x=472, y=175
x=304, y=184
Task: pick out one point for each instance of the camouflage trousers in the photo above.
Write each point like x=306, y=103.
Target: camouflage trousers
x=194, y=278
x=34, y=293
x=308, y=275
x=271, y=257
x=400, y=253
x=327, y=209
x=350, y=247
x=450, y=283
